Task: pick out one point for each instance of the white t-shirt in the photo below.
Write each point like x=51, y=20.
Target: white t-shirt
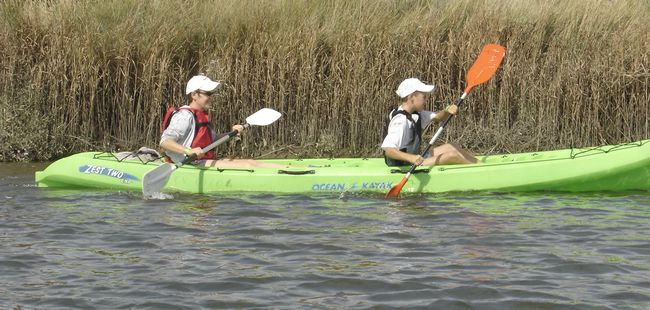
x=401, y=134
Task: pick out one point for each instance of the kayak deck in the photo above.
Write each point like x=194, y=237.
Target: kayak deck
x=606, y=168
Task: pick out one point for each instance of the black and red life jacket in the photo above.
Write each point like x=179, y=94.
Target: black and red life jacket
x=203, y=132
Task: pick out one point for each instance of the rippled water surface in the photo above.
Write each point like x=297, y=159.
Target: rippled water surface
x=114, y=250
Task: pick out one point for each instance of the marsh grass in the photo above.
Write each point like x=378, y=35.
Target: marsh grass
x=85, y=75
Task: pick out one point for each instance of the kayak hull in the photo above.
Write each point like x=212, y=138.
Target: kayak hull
x=619, y=167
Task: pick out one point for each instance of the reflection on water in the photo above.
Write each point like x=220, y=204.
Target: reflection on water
x=94, y=249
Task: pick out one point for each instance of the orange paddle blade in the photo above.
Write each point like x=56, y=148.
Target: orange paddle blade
x=395, y=190
x=485, y=65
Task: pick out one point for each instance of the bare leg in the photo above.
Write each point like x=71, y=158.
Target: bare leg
x=241, y=163
x=465, y=153
x=448, y=154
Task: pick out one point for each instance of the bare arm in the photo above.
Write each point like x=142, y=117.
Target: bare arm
x=396, y=154
x=171, y=145
x=442, y=115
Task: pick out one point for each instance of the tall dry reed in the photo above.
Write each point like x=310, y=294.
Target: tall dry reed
x=87, y=75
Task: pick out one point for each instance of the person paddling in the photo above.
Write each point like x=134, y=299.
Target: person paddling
x=401, y=144
x=186, y=130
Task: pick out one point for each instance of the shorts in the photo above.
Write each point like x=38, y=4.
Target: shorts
x=394, y=162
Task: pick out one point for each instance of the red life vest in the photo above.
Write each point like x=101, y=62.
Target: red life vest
x=203, y=133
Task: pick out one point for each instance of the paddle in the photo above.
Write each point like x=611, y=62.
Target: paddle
x=481, y=71
x=156, y=179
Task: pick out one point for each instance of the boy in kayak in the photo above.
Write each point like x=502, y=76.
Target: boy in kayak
x=402, y=142
x=189, y=129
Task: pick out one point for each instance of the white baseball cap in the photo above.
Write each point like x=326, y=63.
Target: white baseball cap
x=200, y=82
x=412, y=85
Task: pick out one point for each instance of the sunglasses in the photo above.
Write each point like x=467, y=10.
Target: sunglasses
x=207, y=93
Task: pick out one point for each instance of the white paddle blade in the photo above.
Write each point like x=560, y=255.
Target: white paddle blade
x=263, y=117
x=154, y=181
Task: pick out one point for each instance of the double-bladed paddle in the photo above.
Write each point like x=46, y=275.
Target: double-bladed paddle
x=156, y=179
x=481, y=71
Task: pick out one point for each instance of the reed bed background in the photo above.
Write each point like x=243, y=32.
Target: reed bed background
x=98, y=75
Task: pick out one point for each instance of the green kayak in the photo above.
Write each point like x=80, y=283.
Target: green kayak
x=606, y=168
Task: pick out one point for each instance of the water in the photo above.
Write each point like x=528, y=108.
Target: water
x=114, y=250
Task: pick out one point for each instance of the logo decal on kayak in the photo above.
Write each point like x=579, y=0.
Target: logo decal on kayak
x=109, y=172
x=356, y=186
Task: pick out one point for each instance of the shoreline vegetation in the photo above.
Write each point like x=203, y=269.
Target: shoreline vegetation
x=98, y=75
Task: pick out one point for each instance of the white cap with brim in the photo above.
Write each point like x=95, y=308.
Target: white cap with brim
x=200, y=82
x=412, y=85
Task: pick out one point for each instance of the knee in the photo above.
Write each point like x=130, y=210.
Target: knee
x=449, y=148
